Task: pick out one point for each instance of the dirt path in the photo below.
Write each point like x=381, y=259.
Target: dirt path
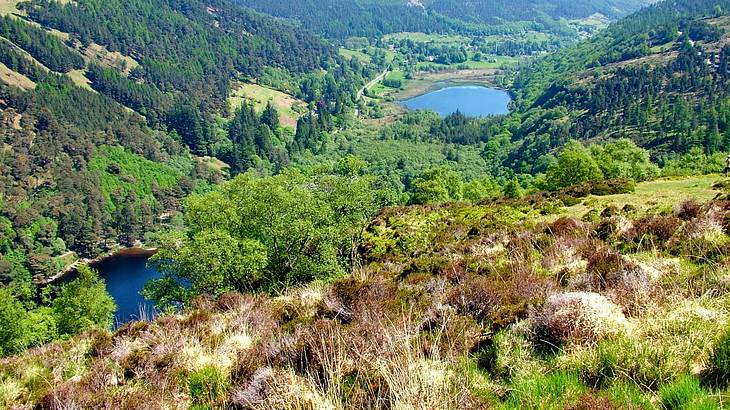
x=372, y=83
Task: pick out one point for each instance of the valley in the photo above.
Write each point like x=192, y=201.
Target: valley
x=376, y=204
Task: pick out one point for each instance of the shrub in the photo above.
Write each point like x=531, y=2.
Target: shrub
x=656, y=230
x=83, y=304
x=566, y=226
x=574, y=166
x=577, y=317
x=689, y=210
x=475, y=297
x=613, y=187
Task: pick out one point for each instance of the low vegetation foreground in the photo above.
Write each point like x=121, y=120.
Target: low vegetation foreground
x=505, y=305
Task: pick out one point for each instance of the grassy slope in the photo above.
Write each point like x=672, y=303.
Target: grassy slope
x=654, y=195
x=287, y=105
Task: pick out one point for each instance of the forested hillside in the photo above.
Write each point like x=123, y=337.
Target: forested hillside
x=109, y=106
x=659, y=77
x=373, y=18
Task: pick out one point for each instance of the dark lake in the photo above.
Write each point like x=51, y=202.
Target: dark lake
x=125, y=275
x=471, y=100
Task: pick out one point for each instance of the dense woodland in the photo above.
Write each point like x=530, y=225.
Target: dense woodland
x=659, y=77
x=373, y=18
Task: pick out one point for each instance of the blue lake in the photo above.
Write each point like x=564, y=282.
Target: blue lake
x=471, y=100
x=125, y=275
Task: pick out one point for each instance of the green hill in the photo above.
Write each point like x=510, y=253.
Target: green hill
x=658, y=77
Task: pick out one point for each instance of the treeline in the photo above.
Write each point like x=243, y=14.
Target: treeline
x=492, y=12
x=374, y=18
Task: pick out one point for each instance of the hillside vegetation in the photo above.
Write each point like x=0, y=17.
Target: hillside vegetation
x=453, y=306
x=105, y=105
x=374, y=18
x=658, y=77
x=319, y=249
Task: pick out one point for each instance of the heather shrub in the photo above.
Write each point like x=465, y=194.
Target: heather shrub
x=655, y=230
x=576, y=318
x=567, y=227
x=476, y=297
x=590, y=401
x=689, y=210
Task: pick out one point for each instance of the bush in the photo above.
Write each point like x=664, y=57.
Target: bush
x=577, y=317
x=83, y=304
x=575, y=166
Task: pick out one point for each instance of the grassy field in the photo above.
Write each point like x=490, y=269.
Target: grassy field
x=10, y=77
x=9, y=7
x=100, y=55
x=663, y=194
x=348, y=54
x=427, y=38
x=79, y=78
x=288, y=106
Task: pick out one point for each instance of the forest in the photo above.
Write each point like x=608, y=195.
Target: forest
x=374, y=18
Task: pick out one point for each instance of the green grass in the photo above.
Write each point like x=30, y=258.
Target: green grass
x=659, y=194
x=208, y=386
x=348, y=54
x=555, y=390
x=686, y=393
x=427, y=38
x=396, y=75
x=285, y=104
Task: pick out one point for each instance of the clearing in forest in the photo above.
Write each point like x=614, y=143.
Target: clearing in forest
x=288, y=106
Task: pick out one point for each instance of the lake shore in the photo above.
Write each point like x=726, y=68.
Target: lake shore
x=110, y=255
x=426, y=82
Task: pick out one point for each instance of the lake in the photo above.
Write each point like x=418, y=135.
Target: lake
x=471, y=100
x=125, y=274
